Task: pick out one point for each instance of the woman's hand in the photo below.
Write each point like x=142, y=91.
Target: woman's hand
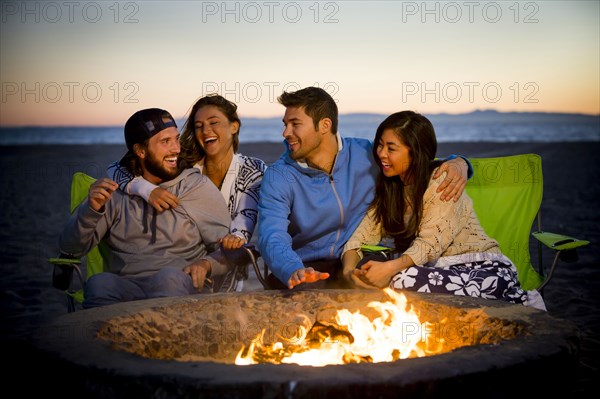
x=232, y=241
x=162, y=200
x=350, y=259
x=357, y=281
x=376, y=274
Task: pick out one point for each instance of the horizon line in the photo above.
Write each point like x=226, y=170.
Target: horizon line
x=490, y=110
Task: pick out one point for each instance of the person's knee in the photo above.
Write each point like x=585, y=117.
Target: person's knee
x=171, y=282
x=98, y=284
x=174, y=276
x=101, y=290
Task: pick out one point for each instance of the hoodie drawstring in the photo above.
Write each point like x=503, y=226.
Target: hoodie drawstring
x=153, y=227
x=152, y=223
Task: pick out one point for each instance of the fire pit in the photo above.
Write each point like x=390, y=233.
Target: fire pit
x=189, y=346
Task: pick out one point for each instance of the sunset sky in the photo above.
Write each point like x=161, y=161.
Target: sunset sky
x=95, y=63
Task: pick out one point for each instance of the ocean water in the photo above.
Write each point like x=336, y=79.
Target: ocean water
x=474, y=127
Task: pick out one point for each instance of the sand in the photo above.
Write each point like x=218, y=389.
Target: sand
x=35, y=196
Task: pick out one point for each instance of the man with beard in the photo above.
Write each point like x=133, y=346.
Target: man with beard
x=152, y=254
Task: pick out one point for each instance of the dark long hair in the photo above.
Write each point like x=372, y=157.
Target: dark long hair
x=191, y=151
x=392, y=197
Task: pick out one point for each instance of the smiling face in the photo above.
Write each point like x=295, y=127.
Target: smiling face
x=160, y=157
x=214, y=132
x=394, y=156
x=303, y=139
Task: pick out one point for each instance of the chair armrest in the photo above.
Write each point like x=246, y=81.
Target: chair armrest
x=558, y=242
x=251, y=249
x=375, y=248
x=64, y=261
x=565, y=247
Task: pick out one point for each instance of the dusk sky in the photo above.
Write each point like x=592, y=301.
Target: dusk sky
x=95, y=63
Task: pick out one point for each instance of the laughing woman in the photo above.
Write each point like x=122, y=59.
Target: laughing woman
x=441, y=245
x=209, y=142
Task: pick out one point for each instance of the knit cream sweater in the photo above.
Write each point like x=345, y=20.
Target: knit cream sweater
x=447, y=228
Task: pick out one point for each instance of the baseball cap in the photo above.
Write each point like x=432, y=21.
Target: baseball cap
x=146, y=123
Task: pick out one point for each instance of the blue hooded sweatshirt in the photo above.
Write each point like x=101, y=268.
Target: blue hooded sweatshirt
x=306, y=214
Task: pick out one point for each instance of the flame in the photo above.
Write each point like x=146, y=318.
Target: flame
x=395, y=334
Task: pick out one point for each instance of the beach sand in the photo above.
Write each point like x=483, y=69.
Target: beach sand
x=35, y=199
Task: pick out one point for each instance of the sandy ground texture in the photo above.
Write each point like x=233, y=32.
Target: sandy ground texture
x=34, y=206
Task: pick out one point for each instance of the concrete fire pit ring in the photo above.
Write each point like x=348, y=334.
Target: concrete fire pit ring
x=541, y=361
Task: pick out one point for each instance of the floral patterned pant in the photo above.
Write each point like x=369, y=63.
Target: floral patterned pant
x=484, y=279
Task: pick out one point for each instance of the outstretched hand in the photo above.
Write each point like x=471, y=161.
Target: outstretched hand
x=162, y=200
x=100, y=192
x=456, y=179
x=306, y=275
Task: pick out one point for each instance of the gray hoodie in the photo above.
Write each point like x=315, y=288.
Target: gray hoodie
x=143, y=241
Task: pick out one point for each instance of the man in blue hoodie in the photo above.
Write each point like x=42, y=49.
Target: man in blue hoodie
x=314, y=197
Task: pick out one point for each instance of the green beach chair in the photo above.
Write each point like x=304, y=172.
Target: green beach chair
x=507, y=195
x=96, y=260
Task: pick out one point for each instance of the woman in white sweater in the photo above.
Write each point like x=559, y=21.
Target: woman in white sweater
x=440, y=245
x=209, y=142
